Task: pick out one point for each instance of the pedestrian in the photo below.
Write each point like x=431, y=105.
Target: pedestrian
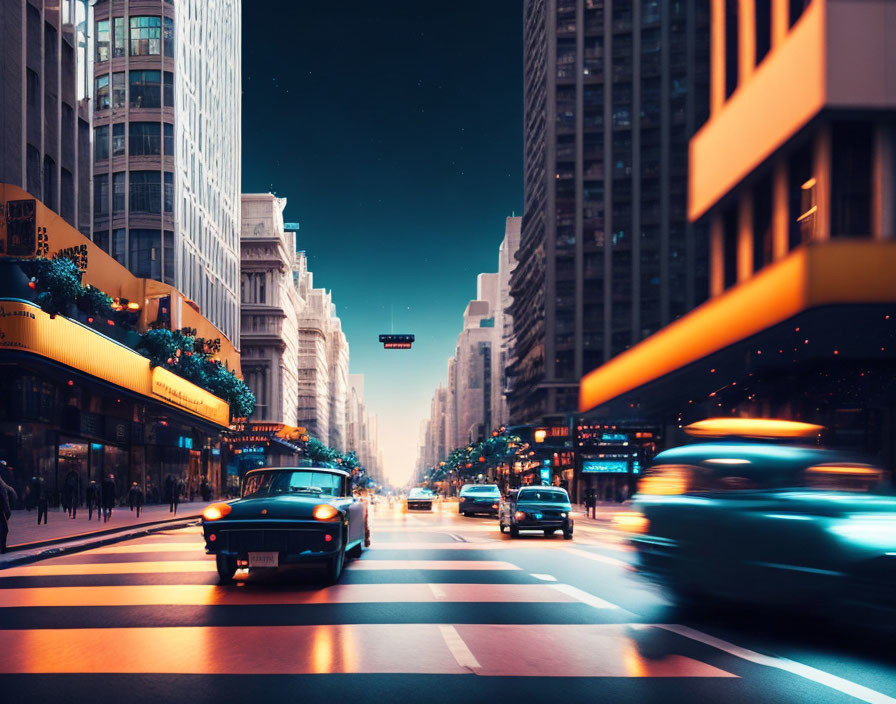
x=72, y=491
x=135, y=498
x=169, y=492
x=7, y=500
x=93, y=501
x=176, y=491
x=40, y=498
x=590, y=503
x=108, y=495
x=205, y=489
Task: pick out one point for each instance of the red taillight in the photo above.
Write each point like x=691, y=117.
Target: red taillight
x=494, y=505
x=328, y=538
x=519, y=515
x=212, y=538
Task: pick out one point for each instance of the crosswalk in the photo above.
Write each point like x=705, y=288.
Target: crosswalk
x=413, y=605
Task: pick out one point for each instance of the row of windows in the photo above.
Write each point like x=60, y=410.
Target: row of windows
x=144, y=139
x=149, y=36
x=147, y=253
x=145, y=192
x=148, y=89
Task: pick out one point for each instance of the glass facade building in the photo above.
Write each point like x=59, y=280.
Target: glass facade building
x=166, y=129
x=613, y=90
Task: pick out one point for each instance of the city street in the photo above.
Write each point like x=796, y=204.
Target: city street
x=440, y=608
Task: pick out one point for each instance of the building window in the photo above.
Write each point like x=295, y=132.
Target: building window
x=101, y=195
x=802, y=197
x=118, y=139
x=729, y=244
x=118, y=192
x=145, y=139
x=49, y=195
x=146, y=192
x=146, y=36
x=168, y=268
x=731, y=46
x=763, y=251
x=796, y=9
x=168, y=205
x=119, y=245
x=145, y=254
x=101, y=239
x=101, y=143
x=102, y=92
x=763, y=29
x=169, y=139
x=119, y=89
x=851, y=166
x=146, y=89
x=169, y=37
x=102, y=40
x=119, y=37
x=169, y=89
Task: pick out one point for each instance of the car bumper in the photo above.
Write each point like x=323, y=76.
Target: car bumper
x=542, y=524
x=294, y=542
x=419, y=505
x=472, y=507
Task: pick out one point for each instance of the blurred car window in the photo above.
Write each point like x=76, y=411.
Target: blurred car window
x=297, y=482
x=480, y=489
x=547, y=495
x=846, y=477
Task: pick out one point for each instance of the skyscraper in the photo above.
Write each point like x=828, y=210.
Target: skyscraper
x=45, y=122
x=166, y=113
x=613, y=89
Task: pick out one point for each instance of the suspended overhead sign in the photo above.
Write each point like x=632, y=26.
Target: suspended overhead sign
x=397, y=342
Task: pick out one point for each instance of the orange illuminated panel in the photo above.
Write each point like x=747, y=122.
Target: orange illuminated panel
x=824, y=273
x=752, y=428
x=665, y=480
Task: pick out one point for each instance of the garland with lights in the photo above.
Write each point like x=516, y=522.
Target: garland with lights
x=467, y=462
x=319, y=452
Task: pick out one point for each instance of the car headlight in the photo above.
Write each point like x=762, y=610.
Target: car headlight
x=868, y=530
x=562, y=515
x=216, y=512
x=325, y=512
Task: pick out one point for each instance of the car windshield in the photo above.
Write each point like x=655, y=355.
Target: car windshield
x=419, y=494
x=485, y=490
x=301, y=481
x=546, y=495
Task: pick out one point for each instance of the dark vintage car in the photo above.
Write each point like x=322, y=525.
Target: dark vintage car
x=288, y=515
x=419, y=499
x=479, y=498
x=770, y=524
x=544, y=508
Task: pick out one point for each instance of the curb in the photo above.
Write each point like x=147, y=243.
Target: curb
x=60, y=548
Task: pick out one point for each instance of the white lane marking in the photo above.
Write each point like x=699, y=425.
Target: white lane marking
x=597, y=557
x=584, y=596
x=544, y=577
x=796, y=668
x=437, y=591
x=462, y=654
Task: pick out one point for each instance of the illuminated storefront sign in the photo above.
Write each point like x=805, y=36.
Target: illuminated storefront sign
x=604, y=466
x=26, y=328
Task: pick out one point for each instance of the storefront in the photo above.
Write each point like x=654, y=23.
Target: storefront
x=253, y=444
x=72, y=399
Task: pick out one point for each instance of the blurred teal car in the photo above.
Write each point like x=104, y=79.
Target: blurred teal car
x=479, y=498
x=542, y=508
x=765, y=523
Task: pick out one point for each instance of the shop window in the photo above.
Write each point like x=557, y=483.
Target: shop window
x=146, y=36
x=851, y=180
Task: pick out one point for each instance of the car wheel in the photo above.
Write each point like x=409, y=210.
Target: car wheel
x=514, y=532
x=334, y=567
x=226, y=568
x=356, y=551
x=567, y=534
x=501, y=527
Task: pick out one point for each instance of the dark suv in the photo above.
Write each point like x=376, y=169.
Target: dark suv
x=479, y=498
x=544, y=508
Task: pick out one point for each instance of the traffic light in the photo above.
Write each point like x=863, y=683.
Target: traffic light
x=397, y=342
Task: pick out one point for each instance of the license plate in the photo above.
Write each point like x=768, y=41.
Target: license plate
x=264, y=559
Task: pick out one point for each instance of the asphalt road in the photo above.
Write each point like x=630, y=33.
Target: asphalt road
x=441, y=608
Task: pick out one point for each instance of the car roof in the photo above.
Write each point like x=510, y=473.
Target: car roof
x=486, y=486
x=757, y=454
x=542, y=488
x=316, y=468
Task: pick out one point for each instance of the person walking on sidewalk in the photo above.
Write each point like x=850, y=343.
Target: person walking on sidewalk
x=108, y=494
x=40, y=498
x=590, y=503
x=135, y=498
x=93, y=501
x=169, y=492
x=176, y=490
x=72, y=489
x=205, y=489
x=7, y=500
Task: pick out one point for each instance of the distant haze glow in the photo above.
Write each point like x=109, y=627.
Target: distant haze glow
x=395, y=133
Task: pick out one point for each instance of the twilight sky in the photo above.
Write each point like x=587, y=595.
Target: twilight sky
x=394, y=129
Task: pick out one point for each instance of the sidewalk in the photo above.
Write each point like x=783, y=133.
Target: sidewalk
x=603, y=512
x=24, y=533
